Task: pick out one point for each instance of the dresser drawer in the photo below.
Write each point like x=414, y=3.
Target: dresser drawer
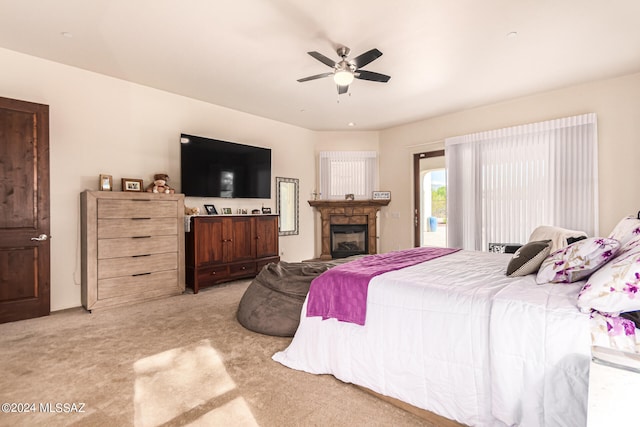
x=130, y=266
x=242, y=269
x=132, y=246
x=120, y=286
x=211, y=275
x=137, y=208
x=113, y=228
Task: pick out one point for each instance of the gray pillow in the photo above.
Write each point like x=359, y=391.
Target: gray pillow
x=528, y=258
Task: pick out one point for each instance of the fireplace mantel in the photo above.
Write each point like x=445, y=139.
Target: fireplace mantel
x=347, y=212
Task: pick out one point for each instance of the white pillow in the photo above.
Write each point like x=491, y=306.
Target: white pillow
x=626, y=229
x=557, y=235
x=615, y=287
x=577, y=261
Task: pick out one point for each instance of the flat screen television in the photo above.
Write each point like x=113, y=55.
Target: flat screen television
x=214, y=168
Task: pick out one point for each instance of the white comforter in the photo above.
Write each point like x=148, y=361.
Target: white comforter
x=457, y=337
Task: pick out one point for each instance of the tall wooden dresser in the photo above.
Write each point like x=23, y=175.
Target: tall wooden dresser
x=132, y=247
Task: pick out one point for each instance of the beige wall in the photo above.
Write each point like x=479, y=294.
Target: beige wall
x=615, y=101
x=104, y=125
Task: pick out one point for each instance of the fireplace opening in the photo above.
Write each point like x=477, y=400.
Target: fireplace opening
x=348, y=240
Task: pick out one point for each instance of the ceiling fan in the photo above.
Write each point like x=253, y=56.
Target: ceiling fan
x=346, y=70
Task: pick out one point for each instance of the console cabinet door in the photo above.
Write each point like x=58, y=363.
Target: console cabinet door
x=241, y=244
x=266, y=236
x=210, y=244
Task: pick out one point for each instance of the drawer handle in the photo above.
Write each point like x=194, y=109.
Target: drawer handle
x=138, y=219
x=141, y=200
x=140, y=274
x=140, y=237
x=138, y=256
x=213, y=273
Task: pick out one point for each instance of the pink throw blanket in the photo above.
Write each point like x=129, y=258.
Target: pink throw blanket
x=341, y=292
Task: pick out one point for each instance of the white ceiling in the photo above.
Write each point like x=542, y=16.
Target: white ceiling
x=442, y=55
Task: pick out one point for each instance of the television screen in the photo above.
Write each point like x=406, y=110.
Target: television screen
x=213, y=168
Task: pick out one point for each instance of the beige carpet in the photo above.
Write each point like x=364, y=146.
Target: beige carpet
x=182, y=360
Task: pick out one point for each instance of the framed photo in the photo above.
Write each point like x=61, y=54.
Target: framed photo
x=381, y=195
x=266, y=210
x=106, y=182
x=131, y=184
x=211, y=210
x=226, y=211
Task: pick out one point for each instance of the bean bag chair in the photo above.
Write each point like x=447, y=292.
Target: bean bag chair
x=272, y=303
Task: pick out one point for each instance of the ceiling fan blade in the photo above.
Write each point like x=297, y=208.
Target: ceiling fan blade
x=366, y=58
x=317, y=76
x=342, y=89
x=370, y=75
x=320, y=57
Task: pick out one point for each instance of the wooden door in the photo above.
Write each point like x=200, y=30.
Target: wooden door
x=24, y=210
x=266, y=236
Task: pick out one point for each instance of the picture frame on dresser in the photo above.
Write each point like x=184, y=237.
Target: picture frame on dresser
x=106, y=182
x=211, y=210
x=131, y=184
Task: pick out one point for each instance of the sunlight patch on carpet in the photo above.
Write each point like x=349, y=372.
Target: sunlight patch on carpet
x=183, y=382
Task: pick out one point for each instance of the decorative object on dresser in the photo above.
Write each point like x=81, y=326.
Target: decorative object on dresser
x=106, y=182
x=224, y=248
x=160, y=184
x=132, y=247
x=211, y=209
x=131, y=184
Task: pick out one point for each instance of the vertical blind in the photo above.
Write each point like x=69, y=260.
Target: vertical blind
x=502, y=184
x=348, y=172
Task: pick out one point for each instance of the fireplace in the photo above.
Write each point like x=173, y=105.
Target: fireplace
x=348, y=240
x=350, y=213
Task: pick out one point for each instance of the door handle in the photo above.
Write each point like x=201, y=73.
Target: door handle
x=40, y=238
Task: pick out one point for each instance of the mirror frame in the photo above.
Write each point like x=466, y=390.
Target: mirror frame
x=293, y=209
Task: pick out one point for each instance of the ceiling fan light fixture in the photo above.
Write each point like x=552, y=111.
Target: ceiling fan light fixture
x=343, y=77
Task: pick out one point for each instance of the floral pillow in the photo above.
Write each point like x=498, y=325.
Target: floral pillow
x=577, y=261
x=626, y=229
x=614, y=288
x=632, y=244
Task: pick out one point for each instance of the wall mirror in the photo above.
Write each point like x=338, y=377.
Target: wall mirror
x=287, y=205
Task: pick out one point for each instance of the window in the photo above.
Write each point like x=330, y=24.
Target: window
x=502, y=184
x=347, y=172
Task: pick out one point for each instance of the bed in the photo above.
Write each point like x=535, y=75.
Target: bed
x=455, y=336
